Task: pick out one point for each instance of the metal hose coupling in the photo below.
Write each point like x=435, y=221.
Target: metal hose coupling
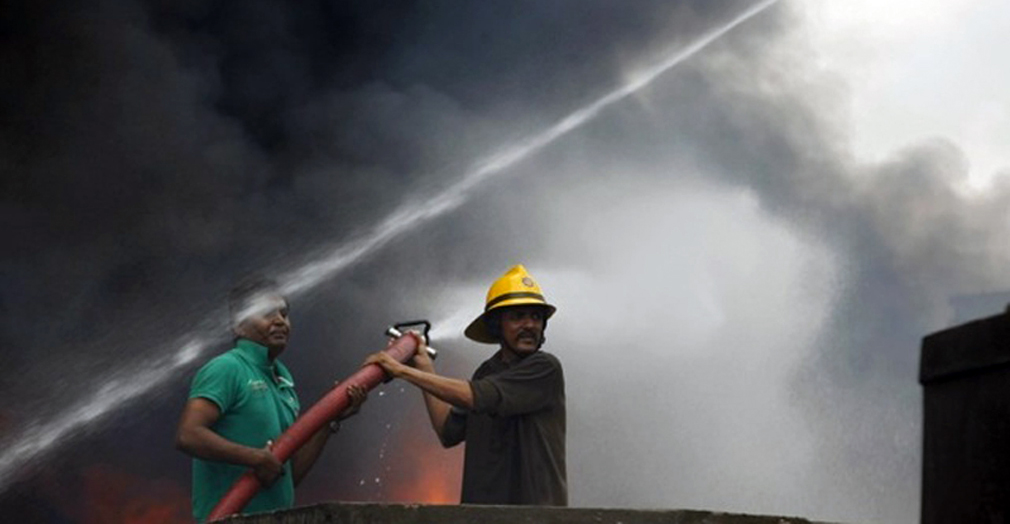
x=396, y=331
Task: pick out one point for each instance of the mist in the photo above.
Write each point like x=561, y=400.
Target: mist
x=740, y=294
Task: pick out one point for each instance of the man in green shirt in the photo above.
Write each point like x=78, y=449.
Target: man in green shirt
x=241, y=401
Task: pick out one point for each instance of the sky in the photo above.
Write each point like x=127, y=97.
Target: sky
x=745, y=253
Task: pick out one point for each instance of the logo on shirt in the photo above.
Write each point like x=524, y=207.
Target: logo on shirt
x=256, y=385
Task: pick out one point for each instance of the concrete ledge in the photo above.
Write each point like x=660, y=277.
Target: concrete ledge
x=358, y=513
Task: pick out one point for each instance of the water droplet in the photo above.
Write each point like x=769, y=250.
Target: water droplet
x=362, y=483
x=381, y=393
x=376, y=480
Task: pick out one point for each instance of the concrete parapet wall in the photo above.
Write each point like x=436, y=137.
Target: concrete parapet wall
x=355, y=513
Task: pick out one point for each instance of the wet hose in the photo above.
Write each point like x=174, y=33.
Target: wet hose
x=320, y=414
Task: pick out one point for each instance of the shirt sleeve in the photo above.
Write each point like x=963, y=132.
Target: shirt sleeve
x=454, y=429
x=529, y=386
x=216, y=382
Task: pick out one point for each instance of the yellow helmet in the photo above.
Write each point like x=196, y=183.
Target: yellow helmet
x=515, y=288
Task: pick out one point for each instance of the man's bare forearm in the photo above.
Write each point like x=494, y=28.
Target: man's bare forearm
x=438, y=412
x=203, y=443
x=438, y=409
x=440, y=393
x=451, y=390
x=306, y=457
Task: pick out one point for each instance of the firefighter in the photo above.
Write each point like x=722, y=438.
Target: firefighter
x=511, y=413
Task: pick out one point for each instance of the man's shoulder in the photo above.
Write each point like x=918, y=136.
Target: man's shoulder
x=227, y=361
x=543, y=356
x=540, y=360
x=217, y=378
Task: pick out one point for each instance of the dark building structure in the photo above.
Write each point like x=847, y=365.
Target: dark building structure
x=351, y=513
x=965, y=374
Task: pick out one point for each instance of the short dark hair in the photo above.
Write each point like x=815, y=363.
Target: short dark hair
x=246, y=290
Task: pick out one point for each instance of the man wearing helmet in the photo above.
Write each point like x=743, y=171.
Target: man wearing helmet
x=511, y=413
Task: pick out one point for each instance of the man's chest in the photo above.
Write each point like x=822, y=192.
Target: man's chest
x=266, y=398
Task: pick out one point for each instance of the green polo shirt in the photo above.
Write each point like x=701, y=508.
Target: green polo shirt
x=258, y=402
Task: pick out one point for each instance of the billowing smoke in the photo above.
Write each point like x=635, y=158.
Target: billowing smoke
x=740, y=298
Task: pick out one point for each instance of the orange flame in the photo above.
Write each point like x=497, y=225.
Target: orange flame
x=112, y=496
x=432, y=475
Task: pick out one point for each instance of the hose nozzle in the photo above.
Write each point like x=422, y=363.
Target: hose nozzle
x=394, y=331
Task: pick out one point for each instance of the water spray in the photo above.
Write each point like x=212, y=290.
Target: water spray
x=39, y=437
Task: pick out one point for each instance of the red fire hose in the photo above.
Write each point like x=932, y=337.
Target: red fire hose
x=328, y=407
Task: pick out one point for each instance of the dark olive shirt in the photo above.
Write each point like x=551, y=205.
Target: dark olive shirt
x=515, y=434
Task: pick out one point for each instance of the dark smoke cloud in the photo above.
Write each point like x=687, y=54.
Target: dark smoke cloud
x=153, y=152
x=906, y=235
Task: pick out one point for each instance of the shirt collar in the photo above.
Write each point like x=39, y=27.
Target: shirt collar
x=255, y=353
x=500, y=357
x=258, y=355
